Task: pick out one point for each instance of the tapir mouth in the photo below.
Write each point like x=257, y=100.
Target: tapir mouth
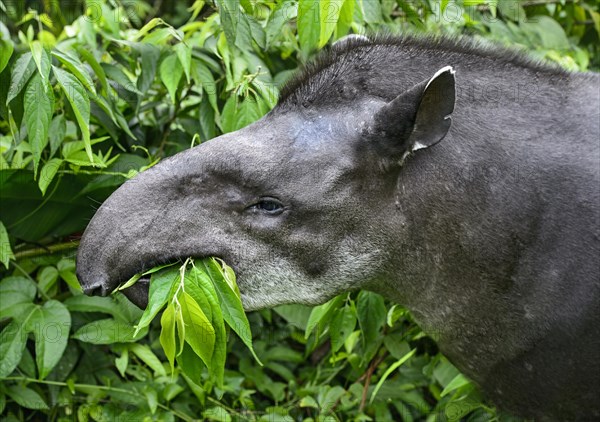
x=138, y=293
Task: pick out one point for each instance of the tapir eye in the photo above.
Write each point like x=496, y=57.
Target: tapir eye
x=269, y=206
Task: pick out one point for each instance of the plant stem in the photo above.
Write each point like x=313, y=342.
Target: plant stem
x=46, y=250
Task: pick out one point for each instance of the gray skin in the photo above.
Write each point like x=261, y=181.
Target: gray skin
x=490, y=237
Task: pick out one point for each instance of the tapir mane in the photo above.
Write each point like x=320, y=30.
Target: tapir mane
x=355, y=61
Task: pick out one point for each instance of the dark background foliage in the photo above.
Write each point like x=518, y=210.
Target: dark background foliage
x=93, y=92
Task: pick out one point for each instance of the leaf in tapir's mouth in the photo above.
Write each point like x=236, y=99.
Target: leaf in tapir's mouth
x=198, y=299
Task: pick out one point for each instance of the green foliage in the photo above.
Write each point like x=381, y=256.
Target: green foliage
x=89, y=97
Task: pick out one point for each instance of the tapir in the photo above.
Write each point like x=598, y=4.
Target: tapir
x=459, y=179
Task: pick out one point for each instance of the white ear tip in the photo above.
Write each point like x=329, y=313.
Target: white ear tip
x=444, y=70
x=440, y=72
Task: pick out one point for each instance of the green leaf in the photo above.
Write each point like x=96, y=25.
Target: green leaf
x=162, y=285
x=330, y=398
x=229, y=12
x=57, y=131
x=48, y=172
x=122, y=361
x=219, y=414
x=238, y=115
x=21, y=73
x=47, y=277
x=322, y=313
x=144, y=352
x=391, y=369
x=6, y=51
x=26, y=397
x=106, y=305
x=150, y=56
x=88, y=56
x=170, y=74
x=184, y=53
x=6, y=253
x=39, y=107
x=75, y=66
x=329, y=15
x=167, y=334
x=108, y=331
x=151, y=398
x=371, y=10
x=203, y=77
x=51, y=324
x=199, y=286
x=80, y=103
x=342, y=325
x=458, y=381
x=550, y=33
x=12, y=343
x=81, y=158
x=371, y=313
x=230, y=301
x=116, y=74
x=309, y=30
x=16, y=292
x=41, y=59
x=345, y=19
x=191, y=365
x=199, y=332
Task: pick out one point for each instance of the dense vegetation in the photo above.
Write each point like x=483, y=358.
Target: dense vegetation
x=93, y=92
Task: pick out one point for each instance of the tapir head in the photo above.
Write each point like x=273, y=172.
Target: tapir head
x=296, y=203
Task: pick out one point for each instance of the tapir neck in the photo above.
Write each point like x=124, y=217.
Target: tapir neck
x=473, y=221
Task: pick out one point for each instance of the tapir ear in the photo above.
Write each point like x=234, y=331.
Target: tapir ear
x=418, y=118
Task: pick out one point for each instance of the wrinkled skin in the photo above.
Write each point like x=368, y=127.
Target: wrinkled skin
x=490, y=237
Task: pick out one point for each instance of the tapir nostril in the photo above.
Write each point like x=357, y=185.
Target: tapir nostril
x=96, y=289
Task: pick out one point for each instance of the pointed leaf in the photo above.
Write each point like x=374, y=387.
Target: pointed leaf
x=390, y=370
x=458, y=381
x=88, y=56
x=371, y=312
x=150, y=56
x=231, y=304
x=26, y=397
x=48, y=172
x=51, y=324
x=322, y=314
x=15, y=293
x=144, y=352
x=57, y=131
x=309, y=30
x=108, y=331
x=80, y=103
x=21, y=73
x=171, y=73
x=329, y=15
x=184, y=53
x=199, y=332
x=342, y=325
x=106, y=305
x=122, y=361
x=162, y=285
x=74, y=65
x=39, y=107
x=229, y=12
x=6, y=253
x=167, y=334
x=41, y=59
x=6, y=51
x=12, y=343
